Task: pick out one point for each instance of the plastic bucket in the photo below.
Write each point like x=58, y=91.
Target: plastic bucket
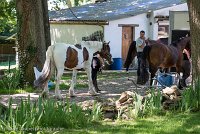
x=117, y=64
x=166, y=80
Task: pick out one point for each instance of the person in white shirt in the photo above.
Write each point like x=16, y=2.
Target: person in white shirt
x=140, y=44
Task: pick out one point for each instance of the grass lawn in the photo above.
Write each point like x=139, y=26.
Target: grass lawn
x=173, y=123
x=16, y=91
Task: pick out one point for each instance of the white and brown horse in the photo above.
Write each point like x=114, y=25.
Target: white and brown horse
x=65, y=56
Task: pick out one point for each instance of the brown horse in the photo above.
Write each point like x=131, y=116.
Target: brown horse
x=164, y=56
x=132, y=52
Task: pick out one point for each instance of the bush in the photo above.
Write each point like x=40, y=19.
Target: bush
x=43, y=114
x=10, y=80
x=191, y=98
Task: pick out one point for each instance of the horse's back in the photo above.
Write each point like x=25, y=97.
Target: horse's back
x=68, y=56
x=162, y=55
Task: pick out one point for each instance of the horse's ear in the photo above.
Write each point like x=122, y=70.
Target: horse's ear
x=108, y=42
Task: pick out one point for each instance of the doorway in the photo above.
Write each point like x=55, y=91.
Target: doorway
x=128, y=36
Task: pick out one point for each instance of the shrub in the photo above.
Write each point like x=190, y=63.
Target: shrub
x=43, y=114
x=10, y=80
x=191, y=98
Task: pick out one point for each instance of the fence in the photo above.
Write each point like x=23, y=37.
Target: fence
x=7, y=56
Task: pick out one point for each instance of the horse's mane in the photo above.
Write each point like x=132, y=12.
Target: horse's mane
x=175, y=43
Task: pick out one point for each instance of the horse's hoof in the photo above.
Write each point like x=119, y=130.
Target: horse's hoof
x=71, y=93
x=59, y=97
x=93, y=93
x=45, y=95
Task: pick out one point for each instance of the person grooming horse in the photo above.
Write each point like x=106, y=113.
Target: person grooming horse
x=164, y=56
x=140, y=44
x=186, y=66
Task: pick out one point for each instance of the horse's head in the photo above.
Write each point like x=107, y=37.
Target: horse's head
x=105, y=52
x=186, y=42
x=144, y=74
x=182, y=43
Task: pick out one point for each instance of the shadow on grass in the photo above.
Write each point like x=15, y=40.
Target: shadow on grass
x=169, y=124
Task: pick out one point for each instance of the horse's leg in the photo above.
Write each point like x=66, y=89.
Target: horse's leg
x=94, y=79
x=185, y=69
x=60, y=72
x=73, y=83
x=45, y=92
x=88, y=70
x=153, y=71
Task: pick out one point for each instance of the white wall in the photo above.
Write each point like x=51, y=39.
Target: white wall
x=71, y=34
x=113, y=33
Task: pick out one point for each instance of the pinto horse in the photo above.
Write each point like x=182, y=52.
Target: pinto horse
x=66, y=56
x=164, y=56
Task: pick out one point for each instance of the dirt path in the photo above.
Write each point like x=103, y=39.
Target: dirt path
x=111, y=86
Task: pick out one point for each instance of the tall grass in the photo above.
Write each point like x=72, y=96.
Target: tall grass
x=32, y=116
x=148, y=105
x=191, y=98
x=10, y=80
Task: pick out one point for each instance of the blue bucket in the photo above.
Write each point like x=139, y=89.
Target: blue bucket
x=165, y=79
x=117, y=64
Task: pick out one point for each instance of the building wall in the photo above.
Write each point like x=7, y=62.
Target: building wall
x=72, y=34
x=113, y=33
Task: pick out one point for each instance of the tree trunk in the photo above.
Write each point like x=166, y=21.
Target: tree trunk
x=33, y=36
x=194, y=15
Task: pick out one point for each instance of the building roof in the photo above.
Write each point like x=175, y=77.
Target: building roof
x=111, y=10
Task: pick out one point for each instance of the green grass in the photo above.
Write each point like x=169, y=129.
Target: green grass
x=173, y=123
x=16, y=91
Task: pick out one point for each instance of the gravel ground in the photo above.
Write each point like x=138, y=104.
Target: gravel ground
x=111, y=86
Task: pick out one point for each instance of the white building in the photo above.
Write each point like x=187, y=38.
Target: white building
x=119, y=20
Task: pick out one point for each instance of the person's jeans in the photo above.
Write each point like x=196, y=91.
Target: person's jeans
x=186, y=72
x=139, y=57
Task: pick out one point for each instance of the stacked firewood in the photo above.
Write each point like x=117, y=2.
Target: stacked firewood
x=121, y=108
x=171, y=96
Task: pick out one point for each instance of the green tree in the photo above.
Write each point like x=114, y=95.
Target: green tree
x=7, y=17
x=194, y=15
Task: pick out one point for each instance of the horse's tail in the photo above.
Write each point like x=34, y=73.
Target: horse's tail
x=146, y=52
x=49, y=65
x=132, y=52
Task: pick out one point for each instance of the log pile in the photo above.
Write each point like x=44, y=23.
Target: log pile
x=121, y=108
x=171, y=97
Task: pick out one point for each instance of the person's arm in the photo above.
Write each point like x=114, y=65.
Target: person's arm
x=187, y=53
x=140, y=43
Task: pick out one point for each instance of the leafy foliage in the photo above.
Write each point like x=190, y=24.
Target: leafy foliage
x=7, y=17
x=43, y=114
x=10, y=80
